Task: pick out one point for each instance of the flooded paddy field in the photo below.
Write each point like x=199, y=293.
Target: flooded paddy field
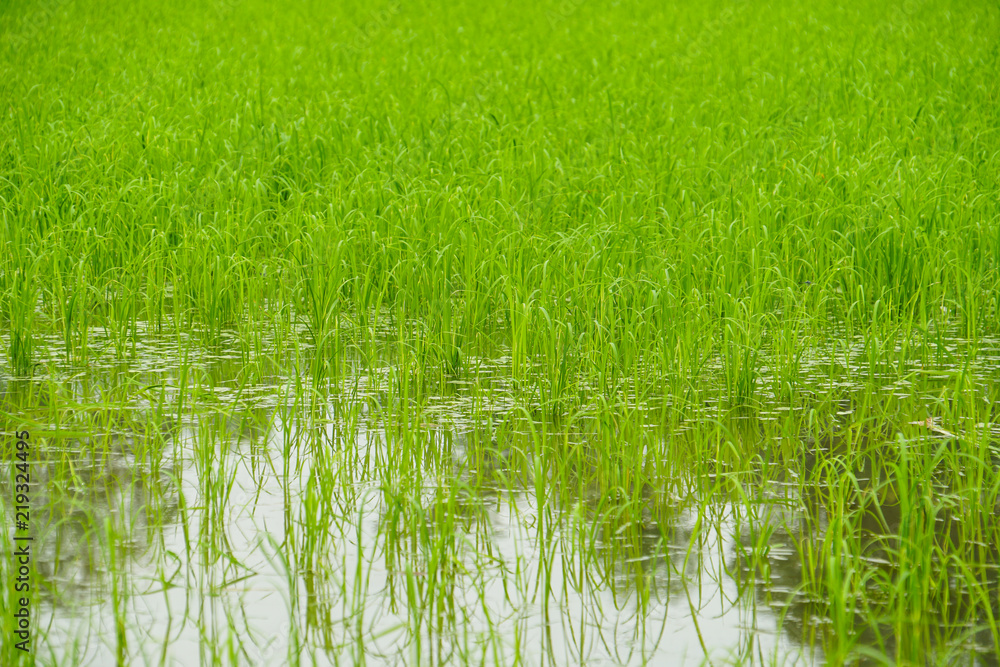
x=186, y=514
x=604, y=333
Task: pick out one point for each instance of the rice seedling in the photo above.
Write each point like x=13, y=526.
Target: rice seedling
x=559, y=333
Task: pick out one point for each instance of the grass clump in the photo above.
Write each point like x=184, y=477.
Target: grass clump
x=476, y=334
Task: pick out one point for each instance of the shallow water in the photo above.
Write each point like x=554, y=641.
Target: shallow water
x=263, y=523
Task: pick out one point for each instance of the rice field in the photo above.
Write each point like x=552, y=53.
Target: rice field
x=567, y=332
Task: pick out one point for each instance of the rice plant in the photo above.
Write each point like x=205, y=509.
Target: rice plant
x=553, y=333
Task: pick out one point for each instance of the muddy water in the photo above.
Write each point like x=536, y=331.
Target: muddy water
x=252, y=526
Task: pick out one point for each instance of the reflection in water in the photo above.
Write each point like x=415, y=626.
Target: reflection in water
x=267, y=523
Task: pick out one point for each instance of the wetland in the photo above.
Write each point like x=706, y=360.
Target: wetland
x=450, y=334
